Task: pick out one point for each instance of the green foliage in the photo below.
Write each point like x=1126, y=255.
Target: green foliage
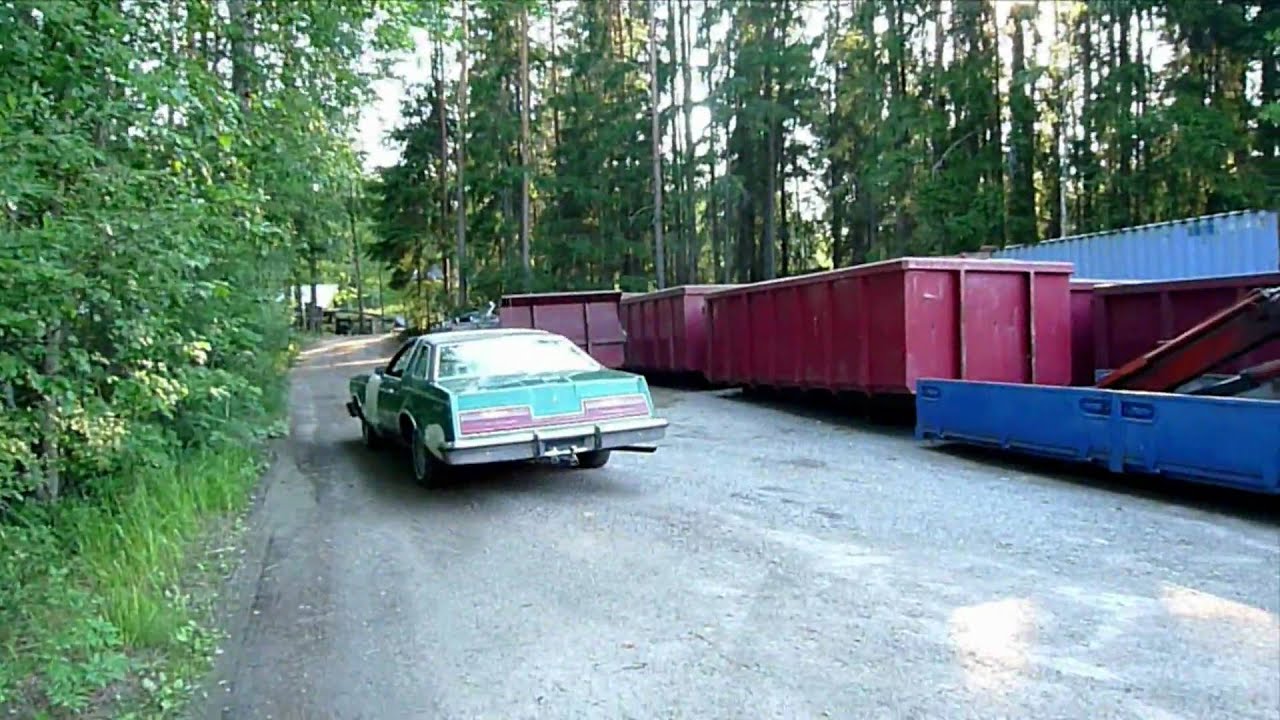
x=898, y=127
x=168, y=173
x=97, y=580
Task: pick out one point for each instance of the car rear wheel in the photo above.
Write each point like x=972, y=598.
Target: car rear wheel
x=426, y=469
x=594, y=459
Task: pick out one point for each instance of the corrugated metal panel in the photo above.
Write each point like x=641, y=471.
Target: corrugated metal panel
x=1211, y=440
x=1236, y=243
x=876, y=328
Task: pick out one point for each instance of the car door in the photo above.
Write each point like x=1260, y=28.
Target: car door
x=391, y=390
x=414, y=381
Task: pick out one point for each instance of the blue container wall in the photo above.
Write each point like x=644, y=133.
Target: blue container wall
x=1238, y=243
x=1217, y=441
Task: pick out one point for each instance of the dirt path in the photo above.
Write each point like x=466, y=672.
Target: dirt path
x=762, y=564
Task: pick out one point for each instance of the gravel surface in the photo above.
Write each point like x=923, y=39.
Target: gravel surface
x=766, y=562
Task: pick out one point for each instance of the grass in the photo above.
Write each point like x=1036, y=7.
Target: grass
x=135, y=551
x=106, y=605
x=107, y=602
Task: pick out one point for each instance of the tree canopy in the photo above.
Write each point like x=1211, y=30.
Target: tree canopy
x=823, y=133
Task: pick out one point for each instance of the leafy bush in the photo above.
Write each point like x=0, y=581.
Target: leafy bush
x=155, y=200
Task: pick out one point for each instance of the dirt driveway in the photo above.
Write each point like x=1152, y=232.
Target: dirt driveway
x=762, y=564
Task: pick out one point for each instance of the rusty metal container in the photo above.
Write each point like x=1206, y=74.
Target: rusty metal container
x=1132, y=319
x=666, y=330
x=590, y=319
x=1082, y=353
x=877, y=328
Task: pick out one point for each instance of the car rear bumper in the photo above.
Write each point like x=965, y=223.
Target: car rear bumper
x=553, y=442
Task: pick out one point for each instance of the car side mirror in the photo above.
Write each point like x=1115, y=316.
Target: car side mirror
x=379, y=370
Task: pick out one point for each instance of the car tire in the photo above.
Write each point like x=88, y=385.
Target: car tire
x=426, y=469
x=594, y=459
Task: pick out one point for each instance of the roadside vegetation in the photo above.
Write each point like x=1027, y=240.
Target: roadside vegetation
x=170, y=169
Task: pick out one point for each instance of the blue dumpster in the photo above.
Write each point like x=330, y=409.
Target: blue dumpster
x=1232, y=442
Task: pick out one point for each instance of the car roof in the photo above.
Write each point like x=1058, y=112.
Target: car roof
x=456, y=336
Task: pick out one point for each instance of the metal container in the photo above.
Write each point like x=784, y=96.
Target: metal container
x=877, y=328
x=1236, y=243
x=1082, y=354
x=1132, y=319
x=1218, y=441
x=590, y=319
x=666, y=329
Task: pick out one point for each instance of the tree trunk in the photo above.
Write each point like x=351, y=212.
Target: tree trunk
x=768, y=259
x=524, y=150
x=1022, y=190
x=460, y=250
x=660, y=261
x=355, y=256
x=713, y=215
x=695, y=243
x=50, y=486
x=784, y=226
x=1123, y=180
x=315, y=317
x=1064, y=218
x=1269, y=133
x=241, y=36
x=442, y=227
x=678, y=236
x=554, y=60
x=382, y=308
x=1084, y=215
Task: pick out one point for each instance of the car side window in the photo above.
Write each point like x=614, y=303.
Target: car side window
x=450, y=363
x=401, y=361
x=420, y=367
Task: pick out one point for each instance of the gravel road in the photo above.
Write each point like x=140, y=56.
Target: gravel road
x=764, y=563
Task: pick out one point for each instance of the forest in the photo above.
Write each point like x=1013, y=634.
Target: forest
x=175, y=169
x=791, y=136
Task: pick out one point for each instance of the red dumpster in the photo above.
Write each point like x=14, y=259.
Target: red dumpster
x=1082, y=355
x=1134, y=318
x=879, y=327
x=666, y=329
x=589, y=319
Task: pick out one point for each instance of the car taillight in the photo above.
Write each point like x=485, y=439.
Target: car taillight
x=474, y=422
x=616, y=406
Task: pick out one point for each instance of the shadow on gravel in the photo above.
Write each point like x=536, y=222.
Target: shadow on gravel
x=688, y=381
x=1206, y=498
x=886, y=417
x=388, y=474
x=886, y=420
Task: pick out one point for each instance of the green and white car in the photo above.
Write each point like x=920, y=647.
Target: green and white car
x=483, y=396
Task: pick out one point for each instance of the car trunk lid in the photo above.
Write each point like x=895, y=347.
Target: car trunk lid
x=527, y=402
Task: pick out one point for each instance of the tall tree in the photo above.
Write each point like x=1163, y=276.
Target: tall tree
x=660, y=262
x=524, y=149
x=460, y=251
x=1022, y=190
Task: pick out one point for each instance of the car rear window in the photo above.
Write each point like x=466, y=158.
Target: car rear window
x=512, y=355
